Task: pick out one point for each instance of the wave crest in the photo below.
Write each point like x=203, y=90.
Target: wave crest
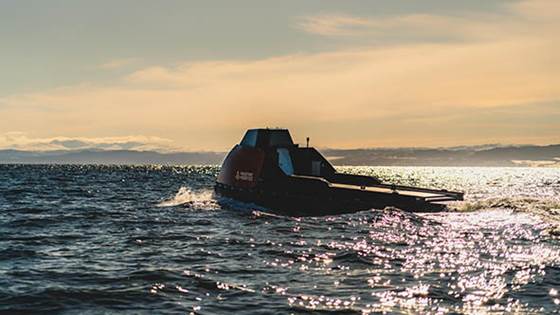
x=194, y=199
x=547, y=208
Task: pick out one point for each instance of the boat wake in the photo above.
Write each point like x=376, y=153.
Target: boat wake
x=200, y=200
x=549, y=209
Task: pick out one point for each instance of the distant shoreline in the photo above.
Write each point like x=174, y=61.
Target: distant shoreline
x=510, y=156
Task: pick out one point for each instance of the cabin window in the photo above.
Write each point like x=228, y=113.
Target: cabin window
x=285, y=161
x=250, y=139
x=280, y=138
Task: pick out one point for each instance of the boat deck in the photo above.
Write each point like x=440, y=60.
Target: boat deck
x=429, y=195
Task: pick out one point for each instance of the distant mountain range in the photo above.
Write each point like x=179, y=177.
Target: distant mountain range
x=110, y=157
x=490, y=155
x=528, y=155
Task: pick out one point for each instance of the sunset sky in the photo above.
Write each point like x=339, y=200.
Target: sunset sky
x=194, y=75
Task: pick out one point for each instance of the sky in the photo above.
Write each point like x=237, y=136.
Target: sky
x=194, y=75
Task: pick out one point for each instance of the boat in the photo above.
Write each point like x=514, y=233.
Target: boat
x=269, y=170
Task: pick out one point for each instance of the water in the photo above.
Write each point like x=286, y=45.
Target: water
x=155, y=240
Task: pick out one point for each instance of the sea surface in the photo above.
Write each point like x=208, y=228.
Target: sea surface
x=155, y=240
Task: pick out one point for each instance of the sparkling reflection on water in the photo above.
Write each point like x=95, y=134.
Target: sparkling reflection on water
x=155, y=240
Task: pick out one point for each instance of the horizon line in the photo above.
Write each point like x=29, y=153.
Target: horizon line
x=482, y=147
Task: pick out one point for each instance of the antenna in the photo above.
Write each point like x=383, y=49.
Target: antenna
x=307, y=141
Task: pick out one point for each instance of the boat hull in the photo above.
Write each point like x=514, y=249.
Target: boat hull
x=332, y=201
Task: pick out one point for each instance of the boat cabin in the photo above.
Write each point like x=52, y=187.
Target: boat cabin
x=286, y=156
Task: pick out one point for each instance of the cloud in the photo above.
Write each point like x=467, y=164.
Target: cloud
x=118, y=63
x=390, y=95
x=416, y=25
x=537, y=10
x=21, y=141
x=335, y=25
x=518, y=18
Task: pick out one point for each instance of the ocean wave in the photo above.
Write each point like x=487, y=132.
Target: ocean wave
x=538, y=211
x=198, y=200
x=549, y=208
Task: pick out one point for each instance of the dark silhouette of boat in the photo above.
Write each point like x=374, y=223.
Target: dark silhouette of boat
x=266, y=168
